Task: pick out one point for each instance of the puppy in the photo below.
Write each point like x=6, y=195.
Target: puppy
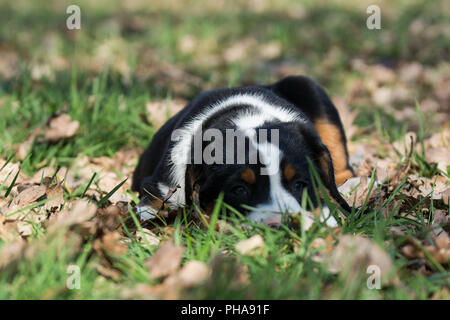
x=251, y=143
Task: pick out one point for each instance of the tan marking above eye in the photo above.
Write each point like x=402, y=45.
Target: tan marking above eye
x=289, y=172
x=248, y=175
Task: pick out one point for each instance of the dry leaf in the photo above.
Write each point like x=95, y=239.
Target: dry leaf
x=24, y=228
x=108, y=181
x=193, y=273
x=165, y=261
x=25, y=198
x=55, y=194
x=108, y=272
x=110, y=244
x=11, y=252
x=354, y=254
x=80, y=212
x=22, y=149
x=440, y=156
x=347, y=116
x=160, y=111
x=8, y=231
x=355, y=190
x=246, y=246
x=29, y=195
x=8, y=173
x=61, y=127
x=146, y=236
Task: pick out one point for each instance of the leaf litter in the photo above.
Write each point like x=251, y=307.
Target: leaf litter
x=406, y=177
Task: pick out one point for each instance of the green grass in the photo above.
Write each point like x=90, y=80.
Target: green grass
x=277, y=273
x=109, y=102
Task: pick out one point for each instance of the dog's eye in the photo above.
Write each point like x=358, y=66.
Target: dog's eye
x=239, y=191
x=298, y=185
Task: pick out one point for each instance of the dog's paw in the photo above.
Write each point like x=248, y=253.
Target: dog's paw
x=146, y=212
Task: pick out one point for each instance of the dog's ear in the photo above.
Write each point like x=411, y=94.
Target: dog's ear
x=322, y=160
x=316, y=105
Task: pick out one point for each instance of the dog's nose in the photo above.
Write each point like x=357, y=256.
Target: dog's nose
x=274, y=225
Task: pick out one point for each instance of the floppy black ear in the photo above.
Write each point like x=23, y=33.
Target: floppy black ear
x=310, y=98
x=323, y=162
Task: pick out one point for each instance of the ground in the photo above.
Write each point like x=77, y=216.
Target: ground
x=78, y=106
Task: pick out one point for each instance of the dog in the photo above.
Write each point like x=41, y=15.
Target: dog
x=283, y=128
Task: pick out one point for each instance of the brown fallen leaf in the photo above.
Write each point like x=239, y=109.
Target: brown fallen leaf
x=108, y=181
x=8, y=231
x=146, y=236
x=25, y=228
x=248, y=245
x=439, y=139
x=354, y=254
x=61, y=127
x=160, y=111
x=193, y=273
x=29, y=195
x=12, y=252
x=348, y=117
x=239, y=50
x=55, y=194
x=165, y=261
x=110, y=244
x=446, y=196
x=439, y=250
x=356, y=190
x=109, y=218
x=139, y=291
x=440, y=156
x=24, y=198
x=81, y=211
x=226, y=269
x=22, y=149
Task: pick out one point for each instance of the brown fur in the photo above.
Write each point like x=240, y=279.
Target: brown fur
x=331, y=137
x=248, y=175
x=289, y=172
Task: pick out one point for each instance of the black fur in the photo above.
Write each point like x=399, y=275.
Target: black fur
x=298, y=141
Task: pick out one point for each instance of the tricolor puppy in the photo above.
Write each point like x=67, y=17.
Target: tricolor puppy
x=251, y=143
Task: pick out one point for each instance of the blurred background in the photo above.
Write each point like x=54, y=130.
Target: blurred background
x=176, y=49
x=78, y=106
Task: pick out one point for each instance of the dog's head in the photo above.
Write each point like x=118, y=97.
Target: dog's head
x=267, y=175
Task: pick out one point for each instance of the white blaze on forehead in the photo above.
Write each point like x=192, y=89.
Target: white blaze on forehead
x=280, y=200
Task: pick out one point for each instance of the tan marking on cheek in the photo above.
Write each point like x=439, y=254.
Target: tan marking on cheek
x=331, y=137
x=248, y=175
x=289, y=172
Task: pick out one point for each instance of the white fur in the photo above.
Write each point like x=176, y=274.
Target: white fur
x=146, y=212
x=327, y=217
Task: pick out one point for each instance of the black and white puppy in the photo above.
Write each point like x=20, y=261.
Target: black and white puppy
x=251, y=143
